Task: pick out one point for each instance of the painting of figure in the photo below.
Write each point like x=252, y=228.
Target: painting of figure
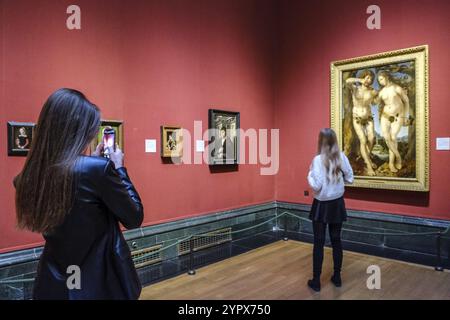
x=171, y=141
x=381, y=119
x=223, y=136
x=20, y=135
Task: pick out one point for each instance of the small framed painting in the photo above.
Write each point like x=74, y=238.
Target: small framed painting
x=20, y=135
x=171, y=142
x=223, y=137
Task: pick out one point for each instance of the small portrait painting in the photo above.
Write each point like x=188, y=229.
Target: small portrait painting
x=20, y=135
x=171, y=142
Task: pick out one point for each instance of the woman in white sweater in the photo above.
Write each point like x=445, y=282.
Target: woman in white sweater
x=329, y=170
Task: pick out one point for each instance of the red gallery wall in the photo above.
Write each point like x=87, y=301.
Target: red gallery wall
x=148, y=63
x=167, y=62
x=182, y=58
x=314, y=33
x=40, y=55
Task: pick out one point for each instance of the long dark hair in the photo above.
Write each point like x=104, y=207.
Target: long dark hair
x=328, y=148
x=45, y=188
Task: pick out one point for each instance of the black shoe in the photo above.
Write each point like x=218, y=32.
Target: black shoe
x=314, y=284
x=336, y=279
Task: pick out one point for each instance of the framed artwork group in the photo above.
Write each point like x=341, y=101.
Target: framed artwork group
x=379, y=110
x=224, y=137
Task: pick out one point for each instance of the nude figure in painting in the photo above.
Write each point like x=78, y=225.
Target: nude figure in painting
x=394, y=115
x=363, y=96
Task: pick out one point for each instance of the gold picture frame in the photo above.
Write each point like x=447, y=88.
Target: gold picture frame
x=117, y=125
x=171, y=141
x=379, y=110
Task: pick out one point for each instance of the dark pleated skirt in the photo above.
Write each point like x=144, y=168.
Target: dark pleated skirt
x=332, y=211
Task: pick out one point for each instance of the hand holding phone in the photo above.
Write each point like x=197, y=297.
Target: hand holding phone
x=116, y=156
x=98, y=150
x=109, y=141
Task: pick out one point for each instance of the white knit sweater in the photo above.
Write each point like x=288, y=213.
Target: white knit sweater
x=326, y=190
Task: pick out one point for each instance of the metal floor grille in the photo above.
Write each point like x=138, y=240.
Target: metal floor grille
x=212, y=238
x=152, y=255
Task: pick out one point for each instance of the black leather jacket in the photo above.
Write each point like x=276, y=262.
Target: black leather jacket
x=90, y=238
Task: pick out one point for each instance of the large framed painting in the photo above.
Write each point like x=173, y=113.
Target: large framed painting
x=223, y=137
x=379, y=110
x=171, y=141
x=20, y=135
x=109, y=126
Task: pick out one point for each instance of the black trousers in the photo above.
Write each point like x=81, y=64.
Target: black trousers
x=319, y=229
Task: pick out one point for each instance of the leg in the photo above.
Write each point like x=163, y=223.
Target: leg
x=395, y=129
x=386, y=132
x=335, y=237
x=370, y=135
x=363, y=147
x=371, y=139
x=334, y=230
x=392, y=160
x=319, y=242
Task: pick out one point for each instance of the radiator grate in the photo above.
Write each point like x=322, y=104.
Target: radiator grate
x=152, y=255
x=213, y=238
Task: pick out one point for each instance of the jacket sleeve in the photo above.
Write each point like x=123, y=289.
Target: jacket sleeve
x=120, y=196
x=347, y=170
x=314, y=176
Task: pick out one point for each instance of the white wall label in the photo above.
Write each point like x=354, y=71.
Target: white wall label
x=150, y=145
x=199, y=145
x=442, y=143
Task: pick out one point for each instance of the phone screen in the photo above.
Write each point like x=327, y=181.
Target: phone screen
x=109, y=141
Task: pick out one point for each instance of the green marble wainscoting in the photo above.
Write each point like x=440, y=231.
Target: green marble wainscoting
x=250, y=222
x=369, y=232
x=18, y=265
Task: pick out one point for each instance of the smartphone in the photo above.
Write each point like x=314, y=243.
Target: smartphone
x=109, y=141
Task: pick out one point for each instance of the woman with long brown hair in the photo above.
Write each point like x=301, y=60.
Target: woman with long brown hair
x=329, y=170
x=76, y=202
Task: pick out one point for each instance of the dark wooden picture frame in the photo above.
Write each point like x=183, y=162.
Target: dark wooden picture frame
x=217, y=121
x=16, y=140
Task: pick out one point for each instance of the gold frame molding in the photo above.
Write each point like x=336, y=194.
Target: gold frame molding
x=178, y=153
x=420, y=55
